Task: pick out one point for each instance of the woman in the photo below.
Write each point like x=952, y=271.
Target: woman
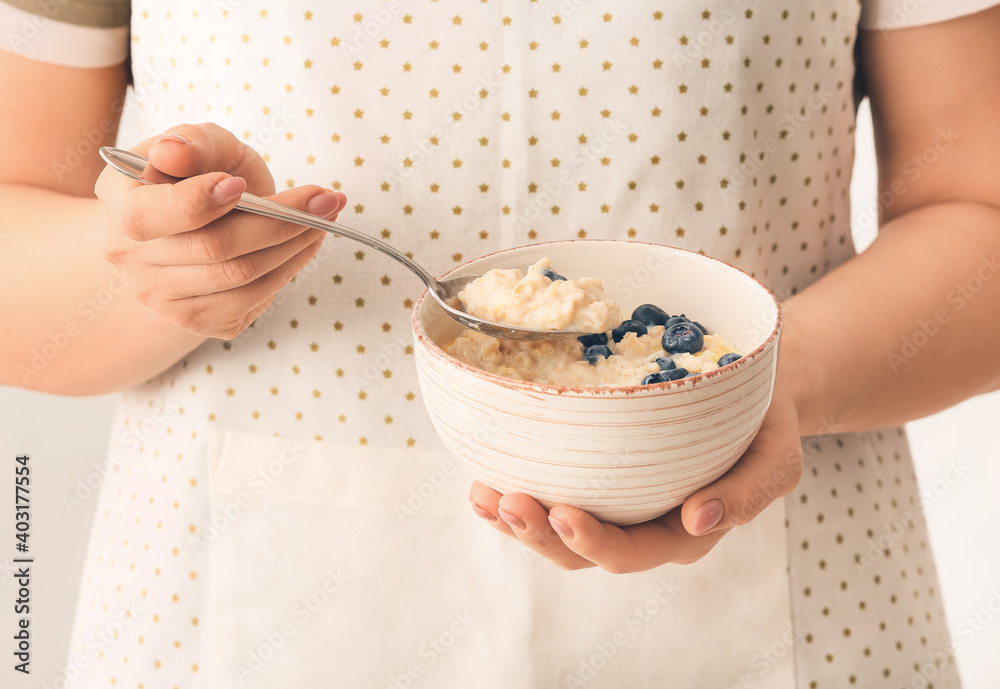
x=281, y=511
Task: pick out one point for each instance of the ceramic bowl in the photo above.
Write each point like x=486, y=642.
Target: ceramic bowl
x=625, y=454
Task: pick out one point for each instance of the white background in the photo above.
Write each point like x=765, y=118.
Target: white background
x=66, y=437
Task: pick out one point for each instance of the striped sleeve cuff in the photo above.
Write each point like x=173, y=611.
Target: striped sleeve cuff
x=74, y=33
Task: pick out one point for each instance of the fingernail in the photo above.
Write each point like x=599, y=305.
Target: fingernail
x=707, y=516
x=172, y=137
x=511, y=519
x=483, y=513
x=560, y=528
x=228, y=190
x=324, y=204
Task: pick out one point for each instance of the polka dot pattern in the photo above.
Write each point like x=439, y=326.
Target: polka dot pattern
x=461, y=128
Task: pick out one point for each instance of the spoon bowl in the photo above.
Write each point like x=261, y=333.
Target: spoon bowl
x=444, y=292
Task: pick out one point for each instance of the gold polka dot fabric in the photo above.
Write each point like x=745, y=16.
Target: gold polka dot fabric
x=456, y=129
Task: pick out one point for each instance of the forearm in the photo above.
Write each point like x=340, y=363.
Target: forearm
x=68, y=326
x=907, y=328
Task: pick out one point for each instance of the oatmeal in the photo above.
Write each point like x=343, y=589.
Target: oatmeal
x=541, y=299
x=657, y=349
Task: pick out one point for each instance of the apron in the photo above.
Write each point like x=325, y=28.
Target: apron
x=295, y=520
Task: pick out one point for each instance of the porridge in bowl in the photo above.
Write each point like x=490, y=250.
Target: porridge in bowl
x=650, y=347
x=541, y=299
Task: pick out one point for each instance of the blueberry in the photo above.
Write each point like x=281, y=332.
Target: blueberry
x=664, y=376
x=727, y=359
x=593, y=339
x=701, y=327
x=666, y=363
x=593, y=352
x=674, y=320
x=650, y=315
x=683, y=337
x=630, y=326
x=551, y=274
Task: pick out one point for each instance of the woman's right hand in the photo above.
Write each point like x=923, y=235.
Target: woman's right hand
x=181, y=252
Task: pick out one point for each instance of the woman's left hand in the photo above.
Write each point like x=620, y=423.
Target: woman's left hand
x=572, y=539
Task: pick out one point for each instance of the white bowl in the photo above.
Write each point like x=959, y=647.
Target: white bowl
x=624, y=454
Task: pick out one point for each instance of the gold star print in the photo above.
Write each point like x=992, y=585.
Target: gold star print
x=384, y=91
x=358, y=17
x=555, y=162
x=253, y=369
x=383, y=43
x=581, y=233
x=533, y=45
x=701, y=159
x=655, y=160
x=457, y=210
x=582, y=138
x=657, y=64
x=653, y=208
x=360, y=349
x=483, y=141
x=699, y=206
x=340, y=374
x=407, y=303
x=555, y=114
x=288, y=40
x=605, y=161
x=230, y=392
x=483, y=234
x=407, y=19
x=263, y=14
x=456, y=20
x=657, y=15
x=434, y=45
x=506, y=21
x=407, y=209
x=605, y=113
x=308, y=64
x=633, y=138
x=407, y=66
x=532, y=234
x=749, y=14
x=435, y=234
x=605, y=208
x=484, y=188
x=682, y=137
x=337, y=279
x=679, y=184
x=584, y=43
x=272, y=344
x=727, y=88
x=433, y=140
x=456, y=163
x=433, y=93
x=705, y=62
x=583, y=91
x=533, y=93
x=335, y=90
x=634, y=41
x=631, y=232
x=679, y=231
x=633, y=89
x=310, y=159
x=484, y=45
x=310, y=112
x=723, y=230
x=314, y=347
x=274, y=391
x=362, y=395
x=532, y=188
x=729, y=39
x=246, y=39
x=556, y=67
x=683, y=88
x=295, y=370
x=358, y=208
x=703, y=111
x=407, y=115
x=410, y=442
x=606, y=65
x=532, y=140
x=359, y=113
x=505, y=163
x=456, y=68
x=359, y=255
x=631, y=185
x=387, y=373
x=338, y=326
x=386, y=327
x=607, y=17
x=359, y=161
x=334, y=41
x=582, y=186
x=384, y=138
x=388, y=419
x=342, y=418
x=555, y=210
x=434, y=188
x=386, y=233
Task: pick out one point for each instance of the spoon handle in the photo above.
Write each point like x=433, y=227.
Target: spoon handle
x=137, y=167
x=255, y=204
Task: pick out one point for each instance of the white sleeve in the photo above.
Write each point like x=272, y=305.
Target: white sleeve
x=886, y=15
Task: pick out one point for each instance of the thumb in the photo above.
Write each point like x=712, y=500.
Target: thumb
x=770, y=468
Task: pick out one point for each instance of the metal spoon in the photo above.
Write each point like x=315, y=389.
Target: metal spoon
x=445, y=292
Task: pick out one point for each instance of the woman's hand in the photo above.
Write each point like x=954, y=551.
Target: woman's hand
x=572, y=539
x=182, y=256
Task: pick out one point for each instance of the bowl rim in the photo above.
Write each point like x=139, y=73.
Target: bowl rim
x=438, y=352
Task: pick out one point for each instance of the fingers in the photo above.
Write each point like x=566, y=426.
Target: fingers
x=521, y=517
x=239, y=233
x=194, y=149
x=626, y=549
x=769, y=469
x=144, y=212
x=209, y=278
x=225, y=314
